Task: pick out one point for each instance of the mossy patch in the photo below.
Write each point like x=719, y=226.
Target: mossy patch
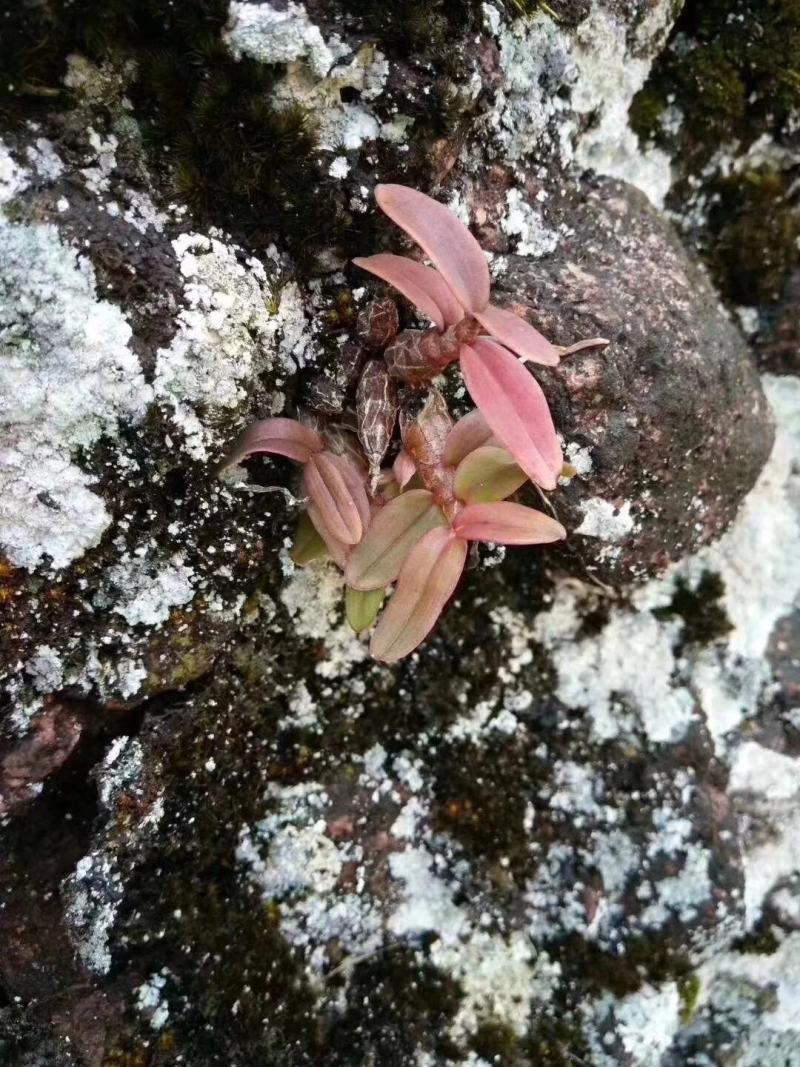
x=557, y=1041
x=482, y=795
x=398, y=1005
x=704, y=617
x=732, y=66
x=209, y=125
x=653, y=959
x=237, y=991
x=752, y=234
x=689, y=991
x=732, y=72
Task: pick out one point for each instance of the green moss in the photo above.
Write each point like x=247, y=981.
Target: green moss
x=753, y=233
x=704, y=617
x=557, y=1042
x=645, y=959
x=398, y=1004
x=496, y=1043
x=237, y=992
x=732, y=71
x=482, y=794
x=735, y=72
x=689, y=992
x=760, y=941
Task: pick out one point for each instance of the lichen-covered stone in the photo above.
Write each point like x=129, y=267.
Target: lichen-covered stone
x=564, y=831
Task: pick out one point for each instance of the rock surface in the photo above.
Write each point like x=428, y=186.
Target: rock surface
x=669, y=419
x=565, y=831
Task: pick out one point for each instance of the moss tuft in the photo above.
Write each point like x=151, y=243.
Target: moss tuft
x=733, y=69
x=398, y=1005
x=753, y=234
x=704, y=617
x=208, y=123
x=557, y=1042
x=482, y=794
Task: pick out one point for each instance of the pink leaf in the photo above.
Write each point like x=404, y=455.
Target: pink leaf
x=421, y=285
x=507, y=524
x=518, y=335
x=337, y=492
x=469, y=433
x=392, y=534
x=403, y=468
x=514, y=406
x=280, y=437
x=427, y=580
x=445, y=240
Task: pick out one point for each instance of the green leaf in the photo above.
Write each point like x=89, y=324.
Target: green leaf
x=486, y=475
x=308, y=545
x=361, y=608
x=391, y=535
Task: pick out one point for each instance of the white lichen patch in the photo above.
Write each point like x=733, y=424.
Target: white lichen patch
x=630, y=675
x=317, y=71
x=612, y=66
x=371, y=888
x=624, y=676
x=228, y=333
x=606, y=521
x=94, y=891
x=314, y=598
x=45, y=160
x=279, y=34
x=145, y=592
x=293, y=859
x=67, y=378
x=569, y=92
x=524, y=222
x=151, y=1001
x=777, y=974
x=343, y=124
x=765, y=786
x=45, y=669
x=645, y=1023
x=14, y=178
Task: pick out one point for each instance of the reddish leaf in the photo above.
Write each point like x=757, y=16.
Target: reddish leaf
x=337, y=491
x=518, y=335
x=422, y=285
x=427, y=580
x=445, y=240
x=514, y=406
x=489, y=473
x=392, y=534
x=279, y=437
x=507, y=524
x=403, y=468
x=469, y=433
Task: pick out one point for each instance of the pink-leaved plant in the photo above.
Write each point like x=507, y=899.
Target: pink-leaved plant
x=468, y=328
x=410, y=525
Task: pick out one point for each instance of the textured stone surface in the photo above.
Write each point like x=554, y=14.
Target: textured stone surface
x=671, y=414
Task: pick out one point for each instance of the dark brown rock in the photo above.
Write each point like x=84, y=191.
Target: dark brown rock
x=671, y=411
